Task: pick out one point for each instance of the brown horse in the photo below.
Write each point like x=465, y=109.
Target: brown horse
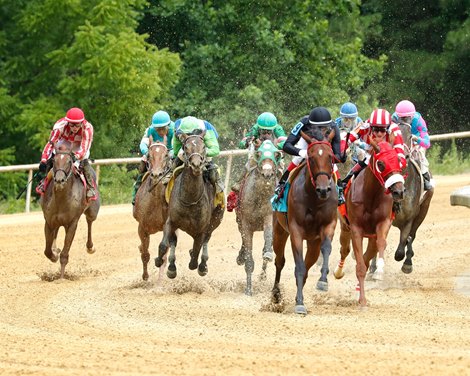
x=191, y=208
x=254, y=212
x=415, y=205
x=311, y=216
x=369, y=212
x=151, y=208
x=63, y=203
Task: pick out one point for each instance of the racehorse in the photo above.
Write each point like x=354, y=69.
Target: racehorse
x=414, y=207
x=191, y=208
x=311, y=216
x=63, y=203
x=151, y=208
x=254, y=212
x=369, y=200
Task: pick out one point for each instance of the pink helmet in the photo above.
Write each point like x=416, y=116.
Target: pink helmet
x=75, y=115
x=380, y=118
x=405, y=108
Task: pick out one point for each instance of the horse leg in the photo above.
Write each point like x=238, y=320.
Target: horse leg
x=372, y=268
x=375, y=272
x=64, y=255
x=300, y=273
x=268, y=255
x=194, y=252
x=345, y=243
x=144, y=250
x=322, y=283
x=249, y=261
x=280, y=237
x=404, y=232
x=171, y=271
x=407, y=266
x=356, y=237
x=164, y=244
x=91, y=213
x=202, y=269
x=51, y=251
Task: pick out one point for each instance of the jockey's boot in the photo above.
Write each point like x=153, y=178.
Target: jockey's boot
x=282, y=184
x=40, y=187
x=427, y=181
x=88, y=173
x=236, y=186
x=340, y=190
x=137, y=184
x=355, y=170
x=214, y=177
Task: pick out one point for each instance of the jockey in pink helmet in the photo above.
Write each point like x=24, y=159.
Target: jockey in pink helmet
x=405, y=113
x=379, y=127
x=76, y=130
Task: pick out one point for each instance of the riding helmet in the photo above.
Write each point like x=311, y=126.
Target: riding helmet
x=160, y=119
x=405, y=108
x=320, y=117
x=348, y=110
x=266, y=120
x=75, y=115
x=380, y=118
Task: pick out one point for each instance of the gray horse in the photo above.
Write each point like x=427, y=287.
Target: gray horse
x=63, y=202
x=151, y=208
x=191, y=208
x=254, y=211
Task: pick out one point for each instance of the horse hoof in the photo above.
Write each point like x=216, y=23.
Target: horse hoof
x=240, y=260
x=171, y=273
x=378, y=276
x=407, y=269
x=300, y=309
x=192, y=264
x=91, y=250
x=145, y=276
x=53, y=256
x=338, y=273
x=370, y=276
x=202, y=271
x=248, y=292
x=268, y=256
x=158, y=261
x=322, y=286
x=399, y=255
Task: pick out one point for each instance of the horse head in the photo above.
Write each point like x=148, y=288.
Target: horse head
x=158, y=159
x=386, y=167
x=62, y=164
x=320, y=164
x=267, y=157
x=194, y=151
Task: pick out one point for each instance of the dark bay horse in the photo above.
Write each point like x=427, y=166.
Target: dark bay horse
x=254, y=211
x=415, y=205
x=191, y=208
x=369, y=201
x=151, y=208
x=63, y=203
x=311, y=216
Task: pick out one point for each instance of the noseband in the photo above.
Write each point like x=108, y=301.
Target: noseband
x=316, y=175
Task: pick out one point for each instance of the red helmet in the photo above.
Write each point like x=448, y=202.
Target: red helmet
x=380, y=118
x=75, y=115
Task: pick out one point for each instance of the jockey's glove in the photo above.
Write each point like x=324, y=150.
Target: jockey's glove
x=43, y=167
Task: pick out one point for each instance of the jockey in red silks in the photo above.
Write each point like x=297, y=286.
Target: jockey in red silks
x=379, y=127
x=76, y=130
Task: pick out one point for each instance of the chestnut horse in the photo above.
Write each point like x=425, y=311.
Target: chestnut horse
x=311, y=216
x=63, y=202
x=191, y=208
x=151, y=208
x=254, y=212
x=369, y=212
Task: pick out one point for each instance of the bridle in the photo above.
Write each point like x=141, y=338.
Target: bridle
x=70, y=169
x=188, y=157
x=316, y=175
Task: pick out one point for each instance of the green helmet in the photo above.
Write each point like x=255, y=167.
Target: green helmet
x=266, y=121
x=190, y=124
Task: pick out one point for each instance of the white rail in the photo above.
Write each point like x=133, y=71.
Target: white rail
x=227, y=153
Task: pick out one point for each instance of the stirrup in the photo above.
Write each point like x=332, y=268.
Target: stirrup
x=90, y=192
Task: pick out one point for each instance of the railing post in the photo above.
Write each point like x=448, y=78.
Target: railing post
x=227, y=173
x=28, y=191
x=97, y=174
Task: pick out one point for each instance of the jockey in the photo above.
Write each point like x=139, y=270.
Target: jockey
x=379, y=127
x=295, y=145
x=191, y=125
x=406, y=113
x=160, y=127
x=348, y=121
x=266, y=127
x=75, y=129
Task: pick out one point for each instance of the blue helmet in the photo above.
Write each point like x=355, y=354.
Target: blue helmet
x=160, y=119
x=348, y=110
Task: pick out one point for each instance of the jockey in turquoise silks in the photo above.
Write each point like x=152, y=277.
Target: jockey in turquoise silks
x=191, y=125
x=161, y=127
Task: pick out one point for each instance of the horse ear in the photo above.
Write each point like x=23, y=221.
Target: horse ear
x=278, y=155
x=374, y=145
x=331, y=135
x=182, y=137
x=257, y=155
x=381, y=166
x=306, y=137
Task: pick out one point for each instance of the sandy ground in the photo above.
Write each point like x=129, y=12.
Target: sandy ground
x=103, y=320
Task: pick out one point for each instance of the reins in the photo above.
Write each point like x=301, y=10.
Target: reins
x=316, y=175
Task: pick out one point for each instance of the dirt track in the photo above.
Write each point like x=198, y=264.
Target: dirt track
x=104, y=320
